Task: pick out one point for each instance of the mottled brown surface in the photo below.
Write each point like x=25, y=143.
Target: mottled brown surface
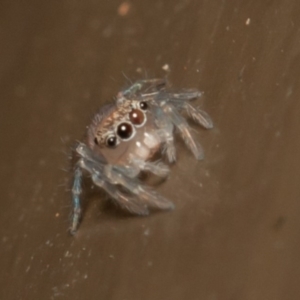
x=235, y=232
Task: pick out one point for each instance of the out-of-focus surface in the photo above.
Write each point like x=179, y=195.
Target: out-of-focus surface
x=235, y=231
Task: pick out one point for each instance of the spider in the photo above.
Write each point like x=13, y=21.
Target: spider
x=123, y=138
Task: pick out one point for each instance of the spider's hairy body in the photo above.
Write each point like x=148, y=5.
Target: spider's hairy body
x=123, y=138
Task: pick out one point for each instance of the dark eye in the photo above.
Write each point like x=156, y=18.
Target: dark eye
x=143, y=105
x=124, y=131
x=111, y=141
x=96, y=141
x=136, y=117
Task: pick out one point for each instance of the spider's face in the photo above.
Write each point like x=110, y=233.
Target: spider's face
x=122, y=124
x=122, y=130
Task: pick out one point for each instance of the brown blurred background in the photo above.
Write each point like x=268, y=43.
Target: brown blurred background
x=235, y=231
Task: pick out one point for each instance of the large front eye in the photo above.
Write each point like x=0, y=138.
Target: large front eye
x=136, y=117
x=111, y=141
x=124, y=131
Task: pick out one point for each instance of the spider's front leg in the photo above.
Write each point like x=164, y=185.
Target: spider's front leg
x=125, y=200
x=134, y=196
x=76, y=192
x=146, y=195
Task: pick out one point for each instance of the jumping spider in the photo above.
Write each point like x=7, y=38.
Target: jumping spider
x=124, y=136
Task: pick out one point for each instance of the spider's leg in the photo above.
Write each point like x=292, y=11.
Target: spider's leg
x=144, y=87
x=125, y=200
x=180, y=100
x=76, y=192
x=184, y=129
x=146, y=195
x=168, y=139
x=170, y=150
x=198, y=115
x=187, y=95
x=117, y=175
x=158, y=168
x=165, y=133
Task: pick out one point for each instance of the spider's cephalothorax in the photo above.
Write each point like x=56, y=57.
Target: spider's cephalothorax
x=124, y=136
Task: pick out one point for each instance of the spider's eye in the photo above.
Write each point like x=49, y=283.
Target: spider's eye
x=96, y=141
x=111, y=141
x=143, y=105
x=124, y=131
x=136, y=117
